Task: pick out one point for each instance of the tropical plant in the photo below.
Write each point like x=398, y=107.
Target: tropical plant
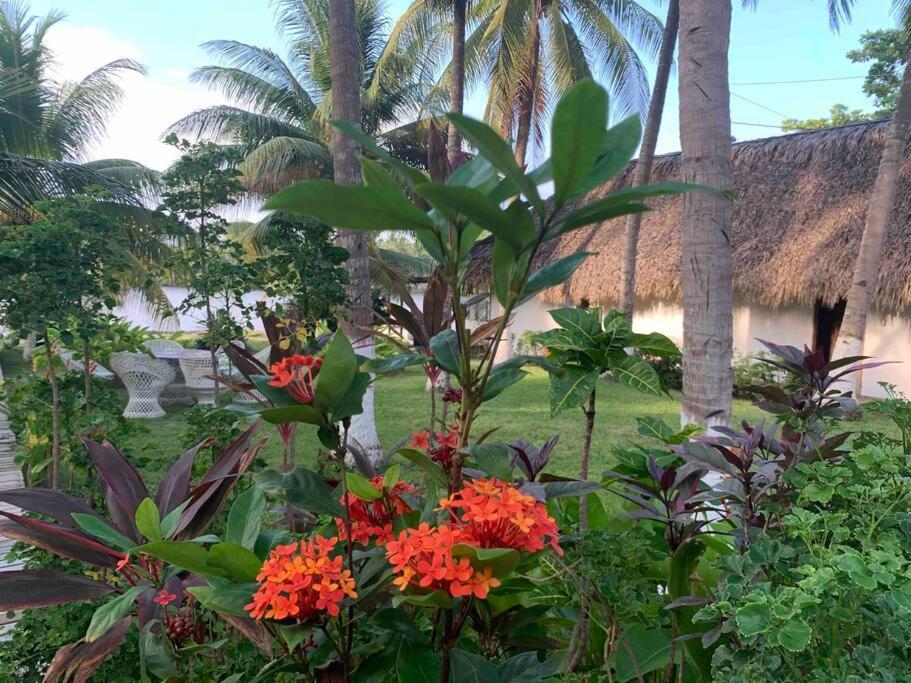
x=582, y=348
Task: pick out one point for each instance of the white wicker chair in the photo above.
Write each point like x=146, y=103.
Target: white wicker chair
x=176, y=393
x=196, y=367
x=145, y=378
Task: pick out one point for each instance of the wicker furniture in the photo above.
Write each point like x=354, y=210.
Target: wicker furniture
x=145, y=378
x=176, y=393
x=196, y=367
x=154, y=346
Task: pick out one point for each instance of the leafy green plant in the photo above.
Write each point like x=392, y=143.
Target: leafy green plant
x=216, y=427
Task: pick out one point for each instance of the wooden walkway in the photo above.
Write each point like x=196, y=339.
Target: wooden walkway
x=10, y=478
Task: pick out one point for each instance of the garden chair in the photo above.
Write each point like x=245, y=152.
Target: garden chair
x=145, y=379
x=196, y=367
x=176, y=393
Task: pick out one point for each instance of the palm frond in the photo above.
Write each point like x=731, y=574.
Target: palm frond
x=144, y=180
x=282, y=156
x=251, y=91
x=228, y=124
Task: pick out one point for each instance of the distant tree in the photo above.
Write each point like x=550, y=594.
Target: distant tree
x=839, y=115
x=886, y=51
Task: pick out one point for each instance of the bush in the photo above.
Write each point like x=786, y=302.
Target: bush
x=750, y=371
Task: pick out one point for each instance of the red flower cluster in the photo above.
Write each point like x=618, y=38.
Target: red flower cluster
x=490, y=513
x=486, y=513
x=297, y=375
x=423, y=557
x=372, y=519
x=446, y=445
x=451, y=395
x=301, y=581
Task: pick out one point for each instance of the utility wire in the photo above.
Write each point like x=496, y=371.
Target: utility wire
x=808, y=80
x=761, y=106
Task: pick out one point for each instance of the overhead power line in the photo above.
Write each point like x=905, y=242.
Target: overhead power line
x=761, y=106
x=807, y=80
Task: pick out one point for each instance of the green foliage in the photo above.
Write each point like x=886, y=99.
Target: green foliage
x=752, y=370
x=839, y=115
x=886, y=51
x=208, y=422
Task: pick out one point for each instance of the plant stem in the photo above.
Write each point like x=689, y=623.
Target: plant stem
x=349, y=547
x=586, y=454
x=87, y=375
x=55, y=412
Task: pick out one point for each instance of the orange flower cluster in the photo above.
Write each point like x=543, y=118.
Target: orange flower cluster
x=490, y=513
x=486, y=513
x=372, y=519
x=301, y=581
x=446, y=444
x=423, y=557
x=297, y=375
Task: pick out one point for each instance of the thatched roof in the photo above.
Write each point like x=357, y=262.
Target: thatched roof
x=798, y=217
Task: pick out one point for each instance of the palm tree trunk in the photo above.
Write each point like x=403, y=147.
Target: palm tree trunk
x=457, y=95
x=866, y=269
x=528, y=86
x=55, y=413
x=346, y=106
x=647, y=156
x=705, y=138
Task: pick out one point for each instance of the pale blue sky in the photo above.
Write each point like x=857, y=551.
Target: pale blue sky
x=782, y=40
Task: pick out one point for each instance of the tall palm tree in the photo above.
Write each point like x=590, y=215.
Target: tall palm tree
x=866, y=268
x=280, y=111
x=705, y=139
x=529, y=52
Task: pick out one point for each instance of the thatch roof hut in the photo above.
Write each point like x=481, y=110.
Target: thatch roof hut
x=798, y=218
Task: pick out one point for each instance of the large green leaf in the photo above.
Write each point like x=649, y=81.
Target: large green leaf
x=336, y=374
x=525, y=668
x=111, y=612
x=502, y=267
x=296, y=413
x=227, y=599
x=433, y=471
x=352, y=401
x=794, y=635
x=376, y=176
x=354, y=207
x=648, y=650
x=502, y=561
x=241, y=564
x=595, y=212
x=654, y=344
x=445, y=349
x=494, y=458
x=468, y=667
x=395, y=363
x=101, y=530
x=416, y=663
x=185, y=555
x=501, y=379
x=245, y=518
x=515, y=228
x=303, y=489
x=576, y=137
x=618, y=148
x=361, y=487
x=498, y=152
x=156, y=654
x=276, y=395
x=148, y=520
x=408, y=173
x=753, y=619
x=635, y=372
x=584, y=324
x=570, y=387
x=398, y=621
x=551, y=275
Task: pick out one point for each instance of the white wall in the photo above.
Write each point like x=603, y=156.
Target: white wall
x=138, y=311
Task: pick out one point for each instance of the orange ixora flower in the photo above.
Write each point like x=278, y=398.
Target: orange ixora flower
x=372, y=519
x=301, y=582
x=297, y=375
x=489, y=513
x=164, y=598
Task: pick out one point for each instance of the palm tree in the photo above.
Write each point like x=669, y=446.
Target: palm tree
x=529, y=52
x=647, y=156
x=866, y=269
x=705, y=139
x=280, y=112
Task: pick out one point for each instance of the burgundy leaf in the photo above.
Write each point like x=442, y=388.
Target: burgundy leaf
x=59, y=540
x=402, y=317
x=147, y=609
x=42, y=587
x=437, y=158
x=655, y=470
x=175, y=485
x=77, y=662
x=246, y=363
x=48, y=502
x=667, y=478
x=435, y=306
x=688, y=601
x=864, y=366
x=121, y=484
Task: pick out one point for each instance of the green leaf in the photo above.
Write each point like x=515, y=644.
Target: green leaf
x=650, y=648
x=468, y=667
x=620, y=143
x=753, y=619
x=398, y=621
x=794, y=635
x=571, y=387
x=354, y=207
x=516, y=229
x=416, y=663
x=156, y=654
x=241, y=564
x=498, y=152
x=361, y=487
x=172, y=520
x=502, y=561
x=395, y=363
x=111, y=612
x=437, y=598
x=408, y=173
x=597, y=211
x=148, y=520
x=102, y=531
x=551, y=275
x=277, y=395
x=635, y=372
x=391, y=477
x=570, y=489
x=245, y=518
x=576, y=137
x=433, y=471
x=336, y=374
x=297, y=413
x=655, y=428
x=445, y=349
x=303, y=489
x=227, y=599
x=525, y=668
x=493, y=458
x=352, y=401
x=502, y=266
x=501, y=379
x=376, y=176
x=295, y=635
x=583, y=324
x=654, y=344
x=185, y=555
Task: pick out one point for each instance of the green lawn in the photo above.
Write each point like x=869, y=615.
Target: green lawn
x=522, y=411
